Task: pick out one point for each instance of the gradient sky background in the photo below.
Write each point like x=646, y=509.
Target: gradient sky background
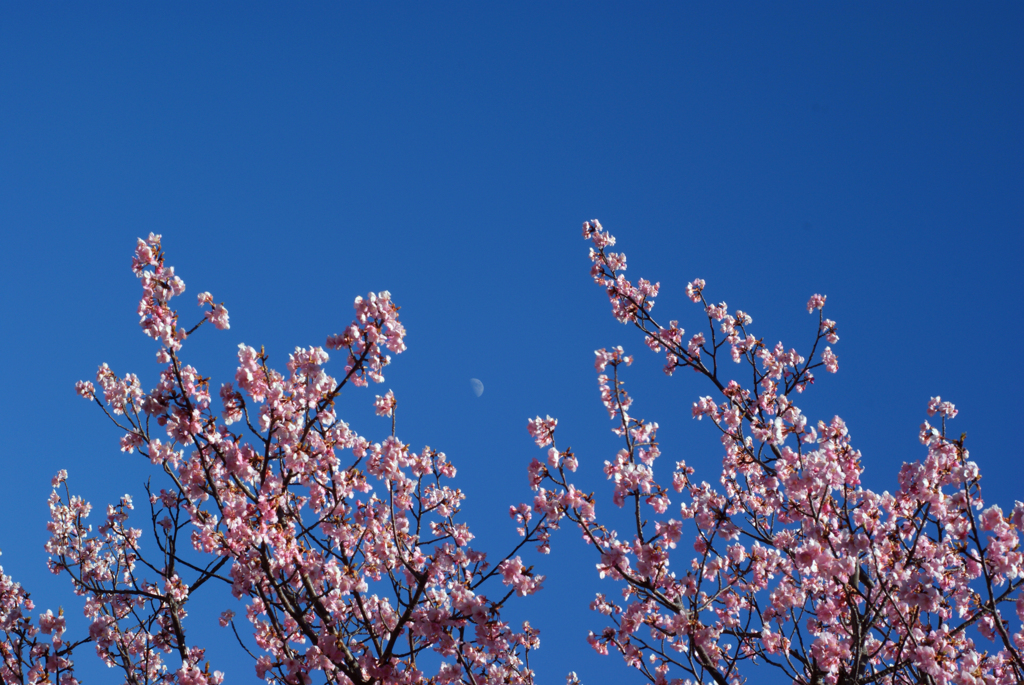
x=295, y=157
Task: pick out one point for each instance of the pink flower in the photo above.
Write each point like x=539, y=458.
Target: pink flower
x=101, y=632
x=828, y=327
x=694, y=289
x=218, y=316
x=1017, y=515
x=385, y=406
x=937, y=406
x=542, y=430
x=513, y=573
x=671, y=530
x=991, y=518
x=51, y=624
x=829, y=359
x=232, y=402
x=693, y=347
x=816, y=302
x=85, y=389
x=705, y=406
x=145, y=253
x=604, y=357
x=717, y=312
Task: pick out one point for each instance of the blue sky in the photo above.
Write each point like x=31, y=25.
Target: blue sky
x=295, y=157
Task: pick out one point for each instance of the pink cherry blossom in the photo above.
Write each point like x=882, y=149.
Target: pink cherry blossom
x=85, y=389
x=816, y=302
x=828, y=358
x=694, y=289
x=542, y=430
x=218, y=316
x=385, y=405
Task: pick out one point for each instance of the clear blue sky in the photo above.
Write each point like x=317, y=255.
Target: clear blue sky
x=294, y=157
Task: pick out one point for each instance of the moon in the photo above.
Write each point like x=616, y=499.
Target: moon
x=478, y=387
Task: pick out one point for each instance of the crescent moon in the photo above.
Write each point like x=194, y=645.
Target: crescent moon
x=478, y=387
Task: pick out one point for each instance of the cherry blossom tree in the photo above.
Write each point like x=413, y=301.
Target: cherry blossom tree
x=349, y=554
x=796, y=565
x=355, y=566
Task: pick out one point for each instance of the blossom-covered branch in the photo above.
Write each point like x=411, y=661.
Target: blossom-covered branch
x=350, y=554
x=796, y=564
